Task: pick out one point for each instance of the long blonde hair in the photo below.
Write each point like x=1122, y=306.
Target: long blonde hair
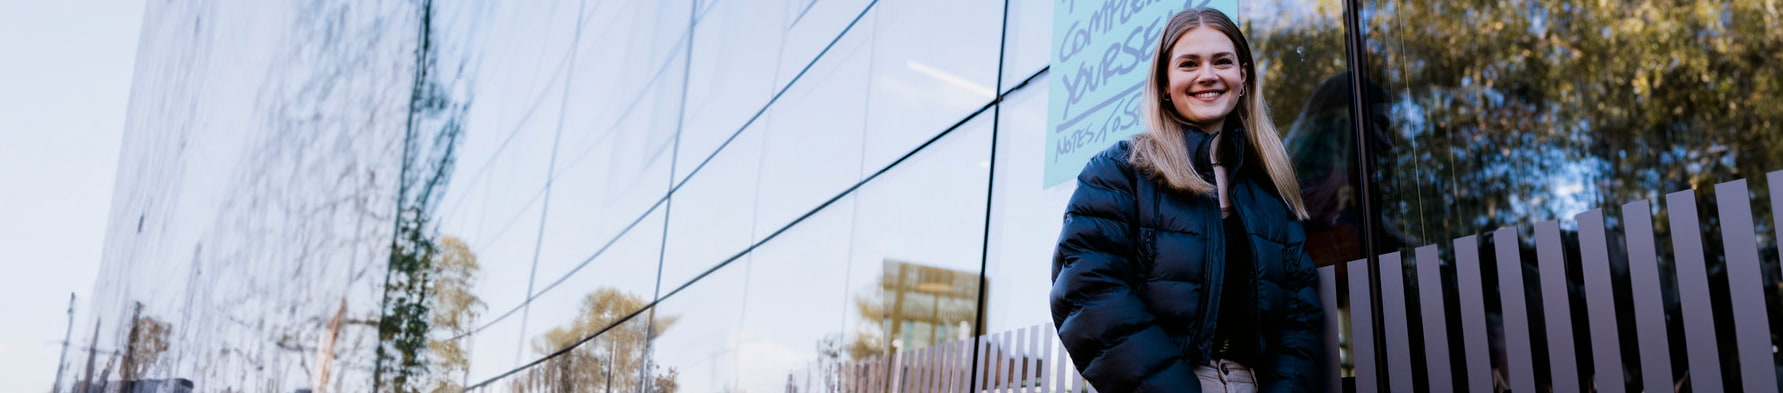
x=1160, y=149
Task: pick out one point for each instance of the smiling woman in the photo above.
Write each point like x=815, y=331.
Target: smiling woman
x=1180, y=267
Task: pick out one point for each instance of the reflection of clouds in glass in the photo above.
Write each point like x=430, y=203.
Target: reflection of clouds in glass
x=981, y=92
x=763, y=362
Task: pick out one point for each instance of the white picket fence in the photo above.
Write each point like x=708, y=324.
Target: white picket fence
x=1028, y=360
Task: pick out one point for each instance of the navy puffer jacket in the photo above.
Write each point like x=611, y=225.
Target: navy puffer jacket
x=1137, y=277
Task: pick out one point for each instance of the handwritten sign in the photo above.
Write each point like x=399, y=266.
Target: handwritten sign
x=1101, y=50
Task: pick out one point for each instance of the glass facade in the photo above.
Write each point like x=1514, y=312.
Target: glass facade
x=721, y=195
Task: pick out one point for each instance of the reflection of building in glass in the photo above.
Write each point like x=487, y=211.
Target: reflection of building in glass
x=766, y=172
x=932, y=305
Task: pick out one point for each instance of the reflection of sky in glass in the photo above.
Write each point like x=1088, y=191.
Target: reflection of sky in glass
x=877, y=93
x=771, y=123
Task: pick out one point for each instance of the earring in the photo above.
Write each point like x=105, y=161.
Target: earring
x=1166, y=98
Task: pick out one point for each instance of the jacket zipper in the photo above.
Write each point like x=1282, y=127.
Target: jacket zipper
x=1209, y=330
x=1210, y=303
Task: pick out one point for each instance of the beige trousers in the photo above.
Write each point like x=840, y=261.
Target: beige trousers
x=1225, y=376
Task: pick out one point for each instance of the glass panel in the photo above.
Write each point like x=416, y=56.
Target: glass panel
x=925, y=78
x=496, y=348
x=917, y=246
x=1301, y=56
x=1028, y=45
x=625, y=273
x=608, y=363
x=501, y=286
x=732, y=77
x=803, y=269
x=1025, y=218
x=508, y=179
x=813, y=140
x=811, y=25
x=700, y=345
x=713, y=215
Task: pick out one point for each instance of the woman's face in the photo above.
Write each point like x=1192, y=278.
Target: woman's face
x=1205, y=78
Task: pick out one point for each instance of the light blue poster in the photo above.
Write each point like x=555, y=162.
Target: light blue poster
x=1100, y=53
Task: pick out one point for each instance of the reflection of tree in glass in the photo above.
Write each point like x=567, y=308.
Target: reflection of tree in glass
x=1506, y=112
x=454, y=310
x=610, y=362
x=1529, y=110
x=405, y=328
x=913, y=306
x=148, y=340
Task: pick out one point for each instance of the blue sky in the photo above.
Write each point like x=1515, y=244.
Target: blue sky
x=64, y=87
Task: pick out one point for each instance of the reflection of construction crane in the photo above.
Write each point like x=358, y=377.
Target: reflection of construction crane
x=62, y=362
x=928, y=305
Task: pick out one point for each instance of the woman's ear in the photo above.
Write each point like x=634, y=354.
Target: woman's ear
x=1243, y=84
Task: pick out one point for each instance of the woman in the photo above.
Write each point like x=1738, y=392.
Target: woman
x=1180, y=266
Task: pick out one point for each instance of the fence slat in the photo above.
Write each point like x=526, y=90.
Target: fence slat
x=1436, y=321
x=1745, y=287
x=1021, y=360
x=1011, y=363
x=1362, y=328
x=931, y=374
x=1471, y=298
x=954, y=354
x=1064, y=368
x=1600, y=298
x=949, y=366
x=900, y=372
x=962, y=373
x=1397, y=329
x=1333, y=345
x=1649, y=305
x=1034, y=373
x=1050, y=363
x=1519, y=355
x=1693, y=293
x=1550, y=255
x=983, y=365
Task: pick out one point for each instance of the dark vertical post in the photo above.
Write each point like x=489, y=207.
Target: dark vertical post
x=1352, y=21
x=62, y=361
x=990, y=197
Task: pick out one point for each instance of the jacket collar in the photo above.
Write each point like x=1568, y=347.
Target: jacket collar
x=1200, y=147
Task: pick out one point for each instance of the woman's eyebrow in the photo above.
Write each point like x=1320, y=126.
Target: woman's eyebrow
x=1194, y=56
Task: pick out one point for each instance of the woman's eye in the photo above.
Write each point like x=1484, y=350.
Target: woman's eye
x=1223, y=62
x=1186, y=64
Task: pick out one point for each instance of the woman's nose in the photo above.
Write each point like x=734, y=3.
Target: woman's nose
x=1206, y=75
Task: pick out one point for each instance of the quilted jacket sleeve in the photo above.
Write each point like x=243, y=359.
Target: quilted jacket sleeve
x=1109, y=332
x=1296, y=360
